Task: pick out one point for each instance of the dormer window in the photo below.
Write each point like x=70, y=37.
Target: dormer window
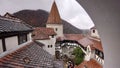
x=26, y=60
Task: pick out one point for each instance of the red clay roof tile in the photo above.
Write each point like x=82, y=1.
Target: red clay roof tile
x=89, y=64
x=73, y=36
x=85, y=42
x=42, y=33
x=37, y=57
x=97, y=45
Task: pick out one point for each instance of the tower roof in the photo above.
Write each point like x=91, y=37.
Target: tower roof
x=54, y=17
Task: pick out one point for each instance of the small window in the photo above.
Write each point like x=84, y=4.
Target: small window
x=22, y=38
x=48, y=46
x=52, y=36
x=97, y=52
x=56, y=29
x=101, y=55
x=93, y=31
x=51, y=46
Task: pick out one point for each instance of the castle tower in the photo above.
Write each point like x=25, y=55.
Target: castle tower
x=54, y=21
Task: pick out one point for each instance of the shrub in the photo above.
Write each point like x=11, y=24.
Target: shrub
x=79, y=55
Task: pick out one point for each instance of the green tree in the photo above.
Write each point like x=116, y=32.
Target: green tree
x=79, y=55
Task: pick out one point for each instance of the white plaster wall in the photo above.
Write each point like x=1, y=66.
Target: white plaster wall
x=1, y=49
x=88, y=54
x=29, y=38
x=11, y=42
x=47, y=42
x=94, y=34
x=88, y=49
x=59, y=28
x=93, y=54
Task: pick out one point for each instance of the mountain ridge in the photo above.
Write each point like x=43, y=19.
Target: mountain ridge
x=38, y=18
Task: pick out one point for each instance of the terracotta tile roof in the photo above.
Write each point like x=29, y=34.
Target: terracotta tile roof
x=94, y=44
x=73, y=36
x=40, y=36
x=89, y=64
x=29, y=56
x=97, y=45
x=42, y=33
x=54, y=17
x=85, y=42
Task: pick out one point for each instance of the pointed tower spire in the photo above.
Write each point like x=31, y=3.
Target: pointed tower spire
x=54, y=17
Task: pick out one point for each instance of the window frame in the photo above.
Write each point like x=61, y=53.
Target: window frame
x=22, y=38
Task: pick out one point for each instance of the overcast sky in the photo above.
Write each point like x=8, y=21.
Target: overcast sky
x=69, y=10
